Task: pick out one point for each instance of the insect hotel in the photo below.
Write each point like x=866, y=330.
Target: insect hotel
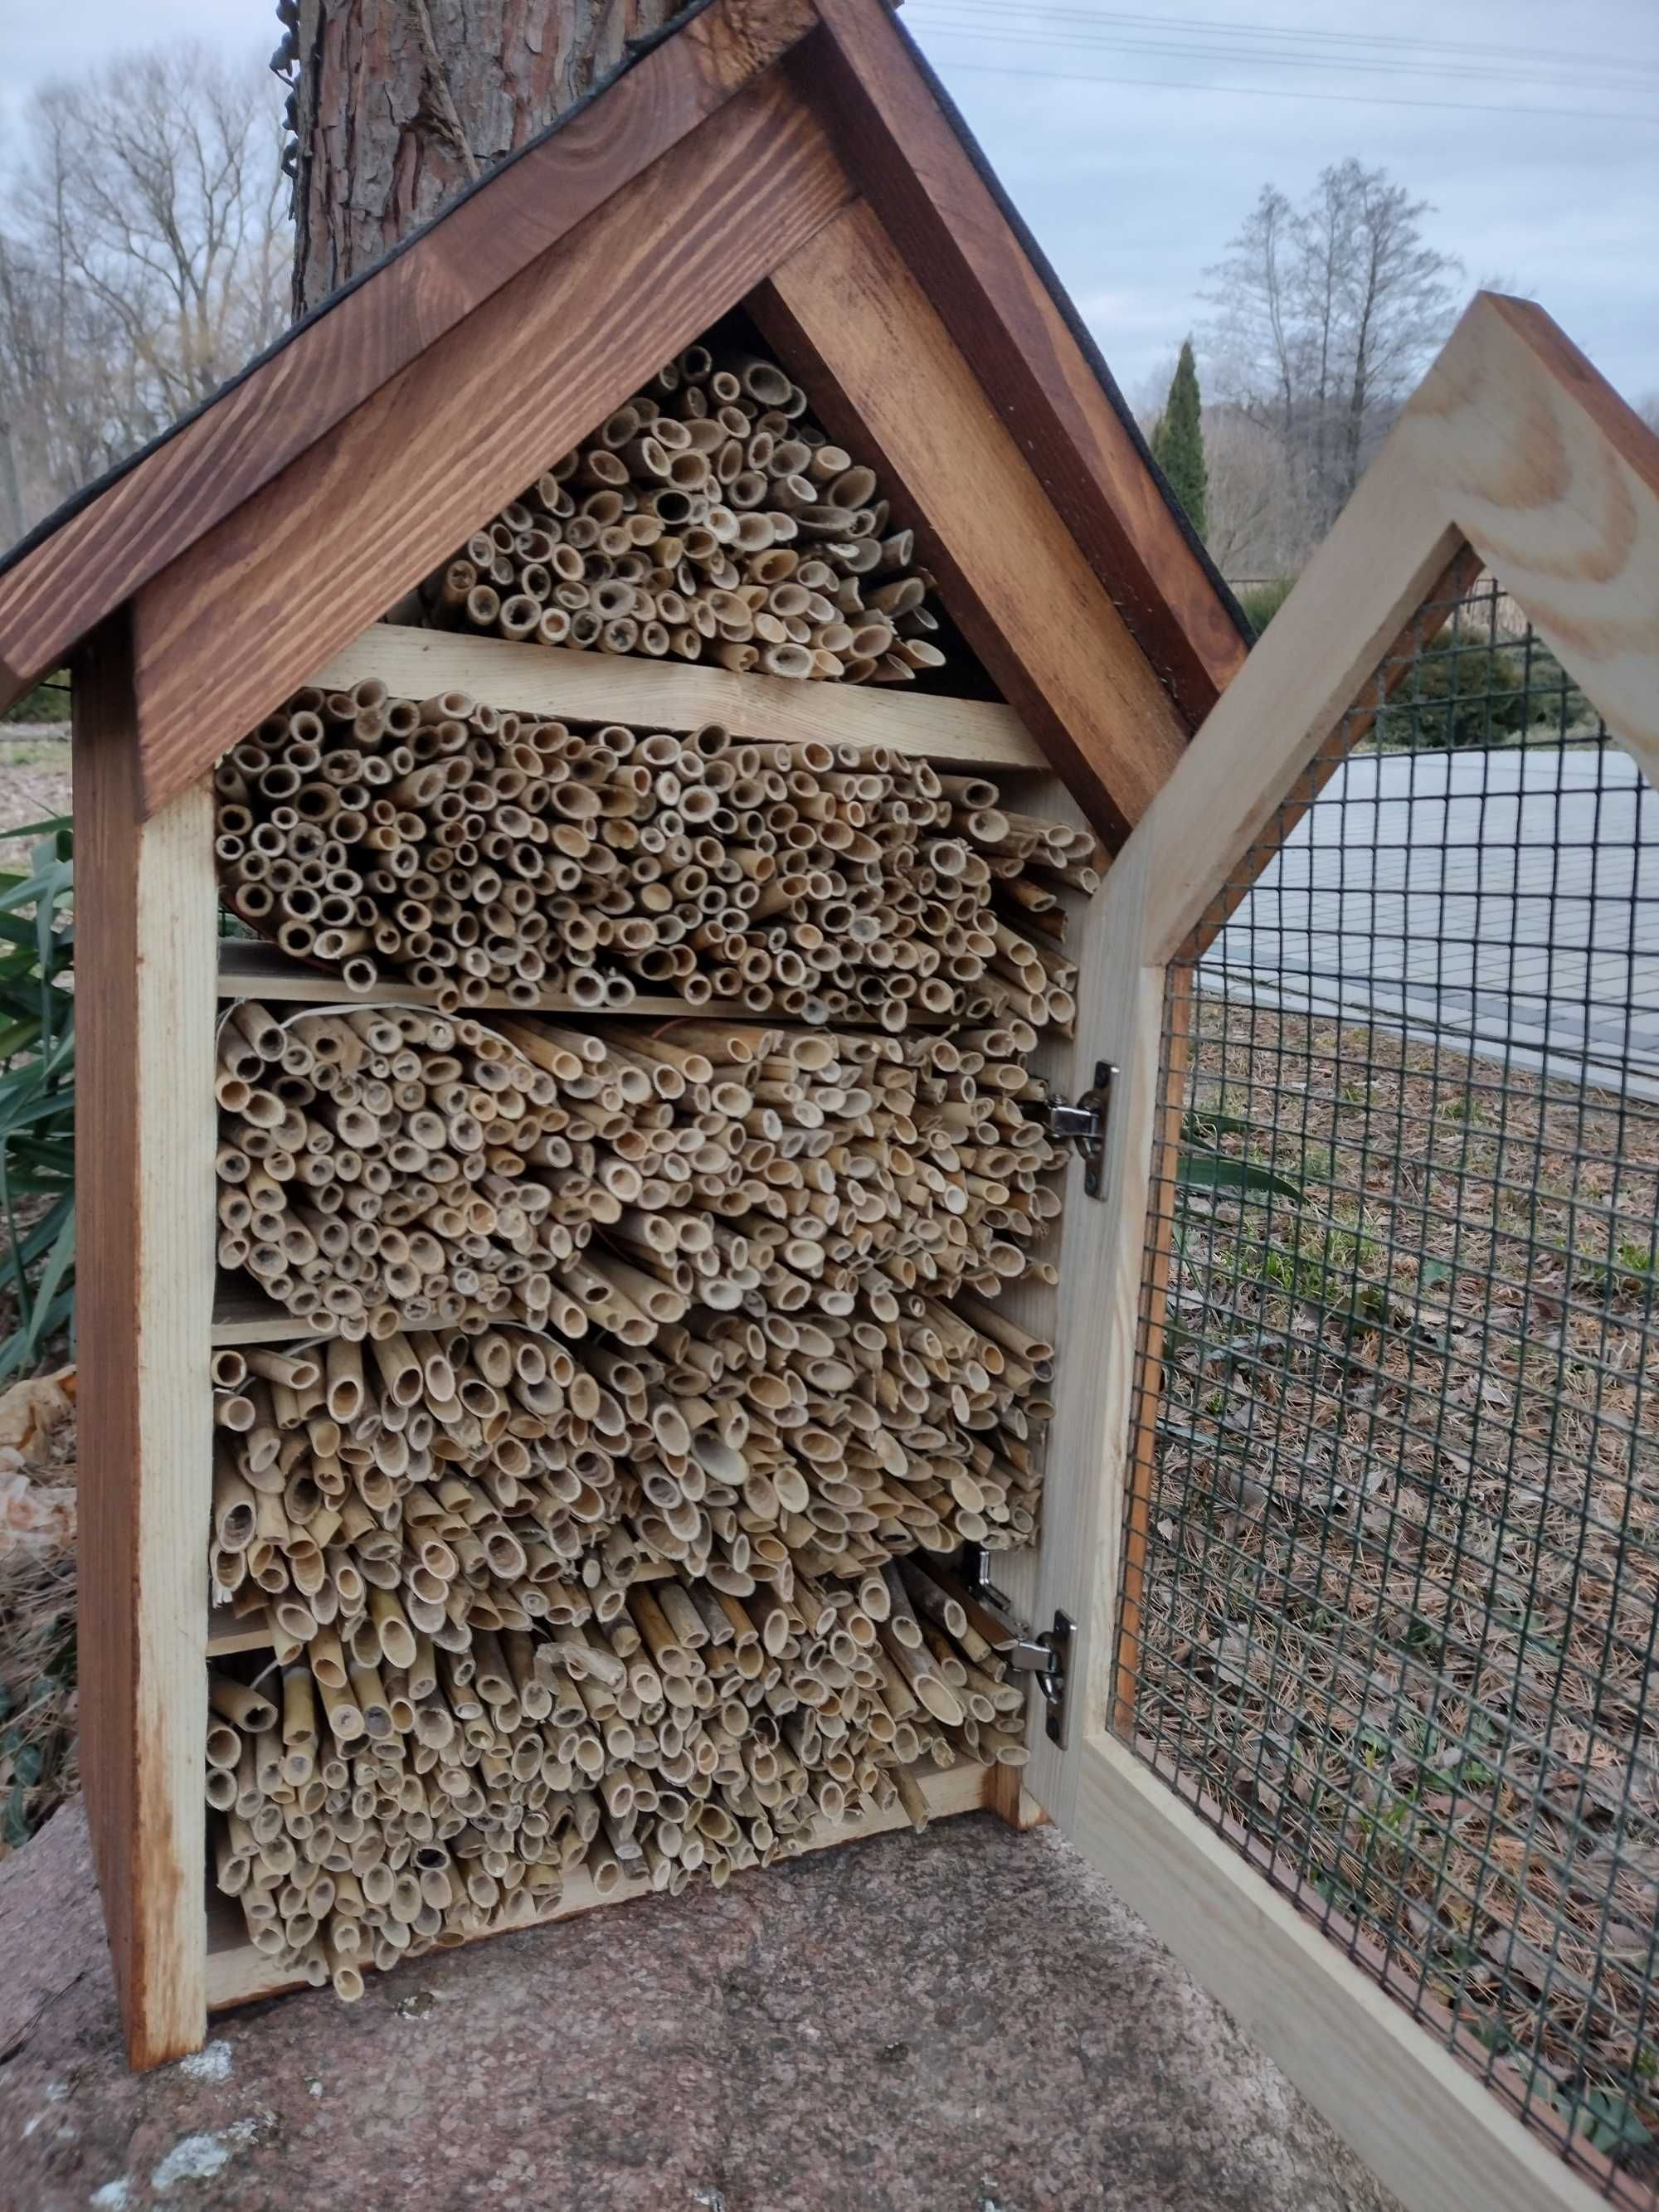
x=591, y=764
x=698, y=1038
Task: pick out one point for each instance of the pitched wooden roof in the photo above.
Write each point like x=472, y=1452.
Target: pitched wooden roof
x=793, y=154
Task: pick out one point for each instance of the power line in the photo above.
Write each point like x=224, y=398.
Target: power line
x=1280, y=59
x=1106, y=19
x=1286, y=92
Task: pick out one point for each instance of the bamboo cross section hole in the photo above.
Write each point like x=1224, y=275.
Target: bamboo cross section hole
x=477, y=853
x=709, y=518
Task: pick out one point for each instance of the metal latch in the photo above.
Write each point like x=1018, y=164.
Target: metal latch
x=1085, y=1125
x=1047, y=1656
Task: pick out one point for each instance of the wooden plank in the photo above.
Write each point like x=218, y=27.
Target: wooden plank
x=230, y=1632
x=102, y=555
x=249, y=969
x=679, y=694
x=145, y=1143
x=886, y=378
x=945, y=217
x=242, y=1315
x=1170, y=1054
x=238, y=1974
x=1119, y=1010
x=1066, y=1064
x=1424, y=2125
x=1351, y=728
x=1554, y=481
x=1364, y=585
x=302, y=567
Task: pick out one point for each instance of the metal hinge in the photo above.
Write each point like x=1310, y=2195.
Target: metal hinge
x=1085, y=1125
x=1047, y=1656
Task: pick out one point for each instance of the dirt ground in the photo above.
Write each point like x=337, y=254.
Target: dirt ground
x=1404, y=1564
x=966, y=2022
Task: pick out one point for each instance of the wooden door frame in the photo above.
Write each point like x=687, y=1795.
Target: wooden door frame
x=1516, y=450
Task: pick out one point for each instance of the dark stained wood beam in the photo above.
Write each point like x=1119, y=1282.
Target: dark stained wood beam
x=851, y=321
x=944, y=219
x=105, y=554
x=306, y=563
x=146, y=1126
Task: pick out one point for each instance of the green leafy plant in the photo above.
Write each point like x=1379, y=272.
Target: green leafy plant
x=1202, y=1166
x=1610, y=2121
x=37, y=1094
x=1470, y=688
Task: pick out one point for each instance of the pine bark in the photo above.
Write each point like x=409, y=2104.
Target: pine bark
x=400, y=104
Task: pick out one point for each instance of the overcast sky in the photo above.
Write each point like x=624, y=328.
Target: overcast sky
x=1133, y=143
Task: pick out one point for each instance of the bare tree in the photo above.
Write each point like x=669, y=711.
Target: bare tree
x=1326, y=314
x=399, y=104
x=1258, y=526
x=143, y=259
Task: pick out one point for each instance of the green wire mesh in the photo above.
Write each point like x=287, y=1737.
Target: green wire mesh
x=1392, y=1627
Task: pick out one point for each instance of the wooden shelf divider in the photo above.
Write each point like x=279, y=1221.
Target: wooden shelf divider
x=230, y=1632
x=563, y=684
x=250, y=969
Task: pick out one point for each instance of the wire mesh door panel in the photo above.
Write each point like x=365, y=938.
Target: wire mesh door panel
x=1392, y=1581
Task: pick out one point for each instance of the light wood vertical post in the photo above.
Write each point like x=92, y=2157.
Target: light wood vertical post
x=144, y=1135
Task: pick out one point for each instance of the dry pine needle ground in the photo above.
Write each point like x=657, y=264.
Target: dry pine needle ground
x=1405, y=1564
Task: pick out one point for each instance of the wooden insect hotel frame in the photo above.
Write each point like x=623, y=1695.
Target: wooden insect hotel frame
x=758, y=302
x=791, y=165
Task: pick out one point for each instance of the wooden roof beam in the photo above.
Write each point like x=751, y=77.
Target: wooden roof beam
x=306, y=563
x=847, y=317
x=947, y=219
x=360, y=341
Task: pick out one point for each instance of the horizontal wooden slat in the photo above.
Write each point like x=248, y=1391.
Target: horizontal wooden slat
x=250, y=969
x=237, y=1974
x=104, y=553
x=229, y=1632
x=678, y=694
x=242, y=1315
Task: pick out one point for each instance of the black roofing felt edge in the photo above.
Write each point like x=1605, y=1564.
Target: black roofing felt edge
x=635, y=51
x=1066, y=309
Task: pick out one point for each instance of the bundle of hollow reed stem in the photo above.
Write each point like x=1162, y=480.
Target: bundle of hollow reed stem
x=397, y=1168
x=710, y=519
x=475, y=852
x=381, y=1798
x=440, y=1486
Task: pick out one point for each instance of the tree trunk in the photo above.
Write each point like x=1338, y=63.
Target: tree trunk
x=400, y=104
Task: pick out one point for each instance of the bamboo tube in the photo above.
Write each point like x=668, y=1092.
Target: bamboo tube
x=486, y=1501
x=596, y=877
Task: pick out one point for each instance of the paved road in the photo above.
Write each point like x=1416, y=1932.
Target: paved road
x=1509, y=898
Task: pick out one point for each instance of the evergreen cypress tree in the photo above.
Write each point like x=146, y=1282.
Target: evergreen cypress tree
x=1178, y=441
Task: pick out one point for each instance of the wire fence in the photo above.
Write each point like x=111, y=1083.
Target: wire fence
x=1392, y=1586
